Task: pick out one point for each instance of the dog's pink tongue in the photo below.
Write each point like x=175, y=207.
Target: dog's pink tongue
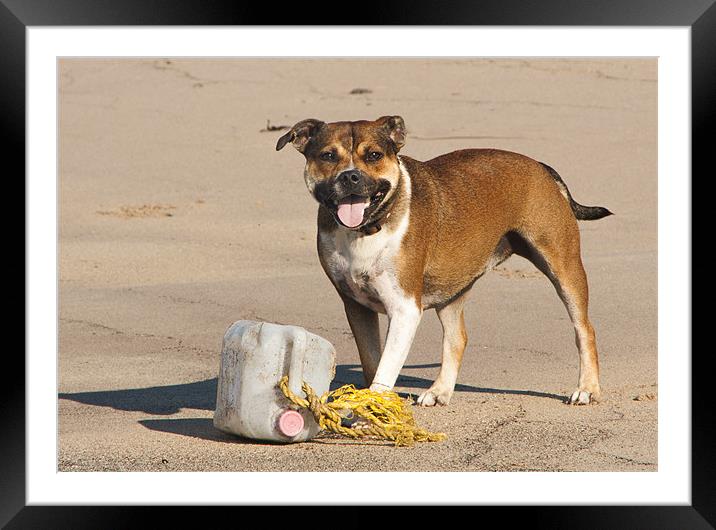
x=350, y=211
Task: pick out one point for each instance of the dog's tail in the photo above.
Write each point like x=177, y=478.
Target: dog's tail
x=581, y=212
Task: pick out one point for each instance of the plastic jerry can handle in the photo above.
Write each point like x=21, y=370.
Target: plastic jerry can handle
x=296, y=365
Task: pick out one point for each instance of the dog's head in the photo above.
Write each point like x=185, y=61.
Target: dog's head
x=352, y=168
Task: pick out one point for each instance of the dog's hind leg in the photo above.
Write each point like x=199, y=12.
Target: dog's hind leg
x=365, y=326
x=557, y=255
x=454, y=342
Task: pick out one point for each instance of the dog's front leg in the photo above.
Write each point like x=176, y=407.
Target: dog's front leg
x=404, y=320
x=366, y=332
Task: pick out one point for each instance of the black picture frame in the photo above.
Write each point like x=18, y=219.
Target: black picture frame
x=699, y=15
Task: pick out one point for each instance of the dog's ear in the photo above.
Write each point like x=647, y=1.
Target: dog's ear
x=300, y=134
x=396, y=130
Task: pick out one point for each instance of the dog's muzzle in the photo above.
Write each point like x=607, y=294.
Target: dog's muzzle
x=352, y=197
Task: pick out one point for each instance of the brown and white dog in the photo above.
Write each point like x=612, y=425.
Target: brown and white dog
x=399, y=236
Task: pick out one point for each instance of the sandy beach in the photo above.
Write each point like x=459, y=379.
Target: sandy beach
x=178, y=217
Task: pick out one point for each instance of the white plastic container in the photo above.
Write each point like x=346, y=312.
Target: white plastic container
x=254, y=357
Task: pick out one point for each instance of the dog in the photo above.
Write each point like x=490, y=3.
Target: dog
x=399, y=236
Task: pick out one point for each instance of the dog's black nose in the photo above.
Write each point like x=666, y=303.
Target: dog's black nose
x=350, y=177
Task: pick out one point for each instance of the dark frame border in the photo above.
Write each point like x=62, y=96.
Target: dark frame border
x=699, y=15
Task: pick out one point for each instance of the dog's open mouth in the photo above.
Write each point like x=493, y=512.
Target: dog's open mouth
x=352, y=211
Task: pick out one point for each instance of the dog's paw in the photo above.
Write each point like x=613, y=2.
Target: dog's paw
x=583, y=397
x=433, y=397
x=377, y=387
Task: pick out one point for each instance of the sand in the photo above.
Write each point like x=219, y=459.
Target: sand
x=177, y=218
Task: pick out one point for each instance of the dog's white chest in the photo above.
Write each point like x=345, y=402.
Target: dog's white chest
x=363, y=267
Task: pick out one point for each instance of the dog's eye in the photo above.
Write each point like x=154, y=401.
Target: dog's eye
x=373, y=156
x=328, y=156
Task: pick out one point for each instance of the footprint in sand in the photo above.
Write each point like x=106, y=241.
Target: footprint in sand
x=145, y=210
x=510, y=273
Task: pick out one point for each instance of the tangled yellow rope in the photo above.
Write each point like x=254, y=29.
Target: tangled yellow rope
x=384, y=414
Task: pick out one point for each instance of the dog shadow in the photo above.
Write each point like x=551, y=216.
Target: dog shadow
x=201, y=395
x=353, y=374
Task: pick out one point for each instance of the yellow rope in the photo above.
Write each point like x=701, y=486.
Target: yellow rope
x=385, y=414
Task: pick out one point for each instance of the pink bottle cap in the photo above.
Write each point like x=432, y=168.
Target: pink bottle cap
x=290, y=423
